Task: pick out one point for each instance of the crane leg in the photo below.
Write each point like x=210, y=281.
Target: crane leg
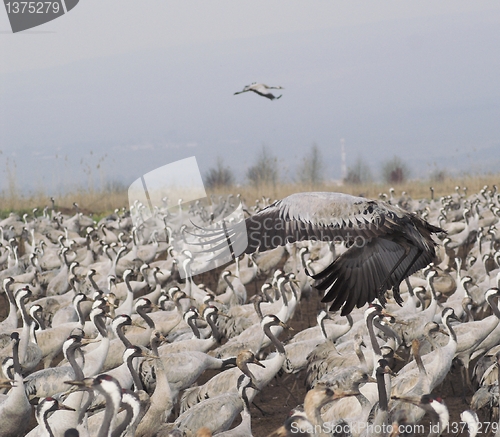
x=264, y=413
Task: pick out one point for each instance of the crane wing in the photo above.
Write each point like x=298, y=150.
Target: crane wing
x=322, y=217
x=386, y=244
x=269, y=95
x=363, y=273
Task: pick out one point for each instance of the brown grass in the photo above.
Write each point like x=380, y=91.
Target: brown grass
x=417, y=189
x=104, y=201
x=97, y=202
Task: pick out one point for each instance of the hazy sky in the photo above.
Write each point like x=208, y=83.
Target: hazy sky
x=132, y=85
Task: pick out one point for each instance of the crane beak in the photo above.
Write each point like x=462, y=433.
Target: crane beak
x=256, y=361
x=64, y=407
x=388, y=370
x=343, y=394
x=85, y=341
x=329, y=316
x=161, y=337
x=398, y=357
x=411, y=399
x=401, y=322
x=6, y=383
x=285, y=326
x=138, y=326
x=146, y=355
x=252, y=385
x=84, y=384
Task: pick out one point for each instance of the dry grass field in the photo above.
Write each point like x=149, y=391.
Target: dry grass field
x=100, y=202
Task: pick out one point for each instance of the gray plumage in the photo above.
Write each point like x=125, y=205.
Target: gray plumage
x=385, y=243
x=15, y=410
x=261, y=89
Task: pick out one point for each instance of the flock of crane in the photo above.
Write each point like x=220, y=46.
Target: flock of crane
x=108, y=333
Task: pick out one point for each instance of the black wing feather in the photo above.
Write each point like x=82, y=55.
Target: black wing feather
x=361, y=273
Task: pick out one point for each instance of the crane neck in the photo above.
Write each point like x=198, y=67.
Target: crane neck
x=122, y=426
x=211, y=321
x=8, y=291
x=121, y=251
x=71, y=357
x=33, y=326
x=360, y=354
x=303, y=259
x=129, y=287
x=498, y=365
x=418, y=358
x=15, y=358
x=312, y=409
x=451, y=332
x=237, y=262
x=133, y=372
x=382, y=392
x=100, y=324
x=26, y=331
x=145, y=317
x=371, y=332
x=121, y=335
x=322, y=328
x=229, y=283
x=44, y=423
x=387, y=330
x=192, y=324
x=79, y=312
x=92, y=282
x=274, y=339
x=12, y=303
x=113, y=401
x=246, y=371
x=281, y=288
x=258, y=310
x=187, y=270
x=494, y=307
x=431, y=309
